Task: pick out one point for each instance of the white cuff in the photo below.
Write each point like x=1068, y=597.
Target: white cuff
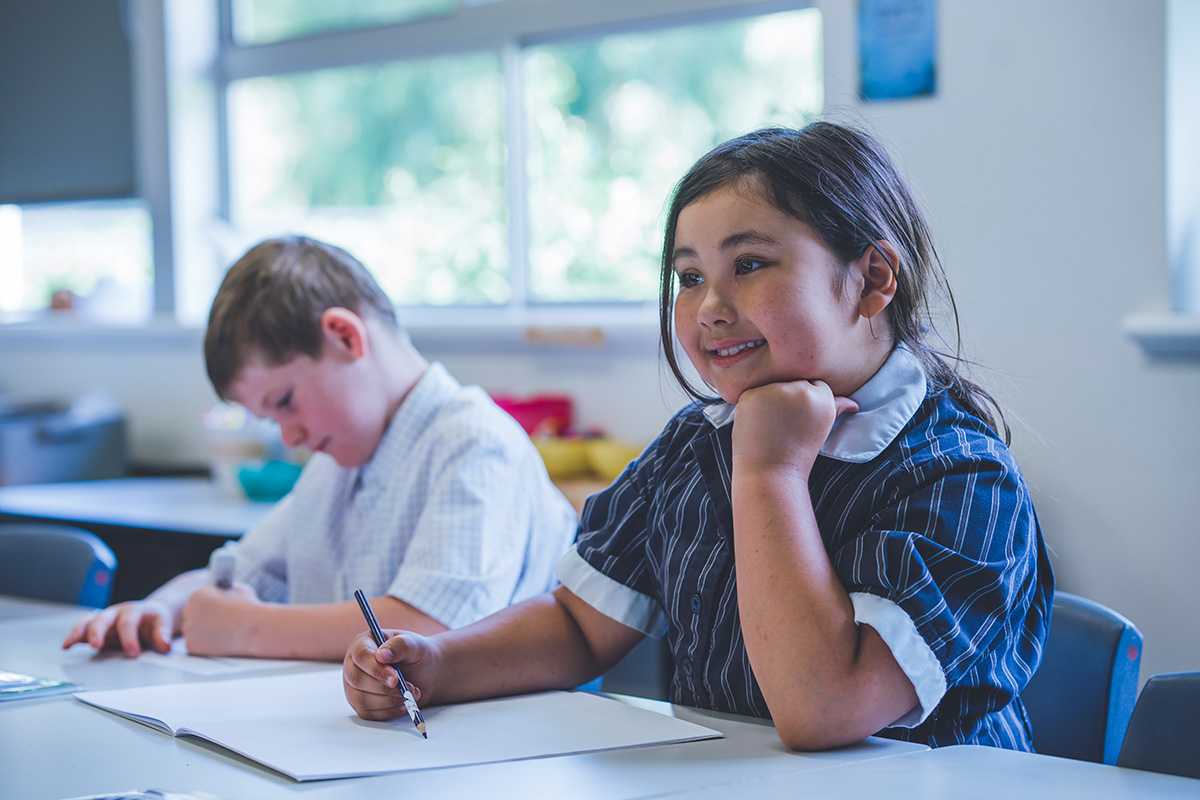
x=910, y=650
x=611, y=598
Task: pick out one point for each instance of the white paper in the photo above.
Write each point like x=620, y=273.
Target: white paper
x=179, y=658
x=207, y=666
x=301, y=725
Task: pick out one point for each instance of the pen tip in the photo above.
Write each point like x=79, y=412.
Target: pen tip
x=421, y=728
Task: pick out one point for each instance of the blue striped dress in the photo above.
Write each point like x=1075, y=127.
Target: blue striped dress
x=934, y=537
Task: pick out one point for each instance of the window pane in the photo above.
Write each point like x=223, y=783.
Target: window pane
x=258, y=21
x=402, y=165
x=615, y=122
x=97, y=256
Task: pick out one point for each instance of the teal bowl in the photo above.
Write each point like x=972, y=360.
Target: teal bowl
x=268, y=481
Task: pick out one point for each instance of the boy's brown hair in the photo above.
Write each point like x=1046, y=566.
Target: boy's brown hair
x=270, y=303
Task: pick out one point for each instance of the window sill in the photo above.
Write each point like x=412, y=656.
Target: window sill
x=1166, y=335
x=449, y=330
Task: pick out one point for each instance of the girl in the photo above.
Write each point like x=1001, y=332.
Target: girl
x=840, y=540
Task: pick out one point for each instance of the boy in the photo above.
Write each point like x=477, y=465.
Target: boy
x=419, y=491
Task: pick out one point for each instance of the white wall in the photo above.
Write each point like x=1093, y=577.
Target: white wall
x=1041, y=163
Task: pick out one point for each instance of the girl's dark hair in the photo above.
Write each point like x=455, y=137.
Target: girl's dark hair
x=840, y=182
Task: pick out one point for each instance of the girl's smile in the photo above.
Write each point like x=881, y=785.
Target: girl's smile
x=730, y=352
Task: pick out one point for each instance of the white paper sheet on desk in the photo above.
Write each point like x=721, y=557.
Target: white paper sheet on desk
x=179, y=659
x=301, y=725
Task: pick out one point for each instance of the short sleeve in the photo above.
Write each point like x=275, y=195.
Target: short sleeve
x=947, y=571
x=469, y=545
x=609, y=568
x=261, y=555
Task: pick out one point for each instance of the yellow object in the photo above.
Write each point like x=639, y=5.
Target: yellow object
x=564, y=458
x=609, y=457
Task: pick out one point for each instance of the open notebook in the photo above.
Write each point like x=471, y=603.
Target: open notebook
x=301, y=725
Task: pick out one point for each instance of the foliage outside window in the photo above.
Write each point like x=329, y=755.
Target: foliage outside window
x=405, y=163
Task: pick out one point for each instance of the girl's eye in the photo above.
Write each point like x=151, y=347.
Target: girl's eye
x=746, y=265
x=285, y=401
x=689, y=279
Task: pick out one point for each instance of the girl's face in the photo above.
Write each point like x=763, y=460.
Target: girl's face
x=758, y=301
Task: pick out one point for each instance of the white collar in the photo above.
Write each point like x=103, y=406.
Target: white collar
x=424, y=400
x=885, y=405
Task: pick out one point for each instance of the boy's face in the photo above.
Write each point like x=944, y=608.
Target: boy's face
x=327, y=405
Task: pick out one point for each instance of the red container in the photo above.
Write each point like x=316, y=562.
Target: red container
x=539, y=414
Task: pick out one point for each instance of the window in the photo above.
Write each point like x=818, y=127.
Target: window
x=93, y=257
x=259, y=21
x=505, y=153
x=402, y=165
x=615, y=122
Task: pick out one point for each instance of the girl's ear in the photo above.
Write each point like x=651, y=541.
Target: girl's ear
x=877, y=269
x=344, y=332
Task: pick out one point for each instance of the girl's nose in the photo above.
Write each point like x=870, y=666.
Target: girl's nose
x=715, y=308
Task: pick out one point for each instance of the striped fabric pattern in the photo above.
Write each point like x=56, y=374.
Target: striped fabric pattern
x=939, y=523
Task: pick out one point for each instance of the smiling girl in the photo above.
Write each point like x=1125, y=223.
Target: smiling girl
x=839, y=539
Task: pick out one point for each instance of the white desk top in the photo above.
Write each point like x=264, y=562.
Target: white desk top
x=953, y=773
x=56, y=747
x=185, y=505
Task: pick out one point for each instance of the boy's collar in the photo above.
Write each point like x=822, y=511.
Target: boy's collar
x=410, y=417
x=886, y=403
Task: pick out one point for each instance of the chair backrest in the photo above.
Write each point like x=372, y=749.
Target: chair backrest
x=1160, y=736
x=56, y=563
x=645, y=671
x=1080, y=698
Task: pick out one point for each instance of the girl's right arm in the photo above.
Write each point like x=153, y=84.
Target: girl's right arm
x=554, y=641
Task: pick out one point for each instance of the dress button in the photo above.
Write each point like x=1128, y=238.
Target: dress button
x=686, y=665
x=695, y=604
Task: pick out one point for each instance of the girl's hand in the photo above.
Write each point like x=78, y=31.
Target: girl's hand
x=784, y=425
x=371, y=685
x=214, y=620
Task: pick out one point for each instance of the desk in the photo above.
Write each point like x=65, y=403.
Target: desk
x=56, y=747
x=157, y=527
x=953, y=773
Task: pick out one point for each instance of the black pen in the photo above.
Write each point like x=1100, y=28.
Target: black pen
x=410, y=704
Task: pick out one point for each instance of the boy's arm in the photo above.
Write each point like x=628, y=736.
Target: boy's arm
x=137, y=624
x=229, y=623
x=553, y=641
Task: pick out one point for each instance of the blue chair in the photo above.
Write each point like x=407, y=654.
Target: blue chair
x=645, y=671
x=56, y=563
x=1081, y=697
x=1161, y=736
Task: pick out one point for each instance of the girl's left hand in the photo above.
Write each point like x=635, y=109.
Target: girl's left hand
x=214, y=620
x=784, y=425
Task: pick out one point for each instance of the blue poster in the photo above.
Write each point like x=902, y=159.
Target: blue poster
x=897, y=48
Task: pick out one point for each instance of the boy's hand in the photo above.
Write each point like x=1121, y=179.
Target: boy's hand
x=214, y=620
x=371, y=685
x=131, y=626
x=784, y=425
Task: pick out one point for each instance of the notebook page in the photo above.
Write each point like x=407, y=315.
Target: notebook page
x=301, y=725
x=179, y=659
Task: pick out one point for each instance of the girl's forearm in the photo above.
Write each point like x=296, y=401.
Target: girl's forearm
x=532, y=646
x=796, y=616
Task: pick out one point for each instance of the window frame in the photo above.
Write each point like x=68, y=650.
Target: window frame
x=502, y=27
